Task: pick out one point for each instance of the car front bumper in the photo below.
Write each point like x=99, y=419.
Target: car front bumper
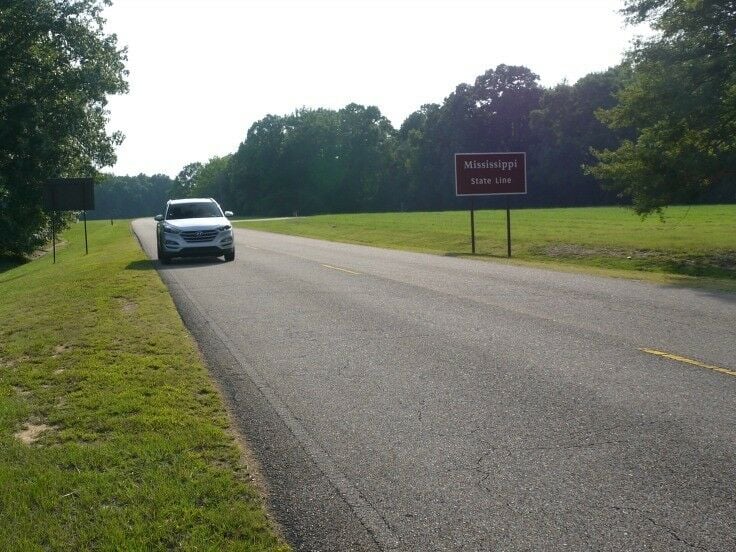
x=176, y=246
x=199, y=252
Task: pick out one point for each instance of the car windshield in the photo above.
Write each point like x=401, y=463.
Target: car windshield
x=193, y=210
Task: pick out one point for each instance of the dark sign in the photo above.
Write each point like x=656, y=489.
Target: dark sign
x=69, y=194
x=479, y=174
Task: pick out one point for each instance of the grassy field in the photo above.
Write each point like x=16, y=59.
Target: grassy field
x=687, y=244
x=112, y=436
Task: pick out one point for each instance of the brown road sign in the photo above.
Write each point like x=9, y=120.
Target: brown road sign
x=484, y=174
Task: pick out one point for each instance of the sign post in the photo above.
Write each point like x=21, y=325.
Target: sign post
x=86, y=247
x=53, y=234
x=472, y=226
x=490, y=174
x=508, y=229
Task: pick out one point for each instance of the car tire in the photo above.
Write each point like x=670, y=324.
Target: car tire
x=230, y=256
x=163, y=257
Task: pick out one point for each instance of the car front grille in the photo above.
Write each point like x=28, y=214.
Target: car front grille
x=197, y=236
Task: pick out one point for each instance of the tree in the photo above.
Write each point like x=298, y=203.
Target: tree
x=565, y=129
x=681, y=100
x=313, y=161
x=256, y=182
x=210, y=179
x=412, y=164
x=366, y=142
x=185, y=181
x=57, y=67
x=505, y=97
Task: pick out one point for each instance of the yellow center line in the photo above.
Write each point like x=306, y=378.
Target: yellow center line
x=341, y=269
x=690, y=361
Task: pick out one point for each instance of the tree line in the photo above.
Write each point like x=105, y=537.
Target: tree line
x=353, y=159
x=658, y=129
x=123, y=197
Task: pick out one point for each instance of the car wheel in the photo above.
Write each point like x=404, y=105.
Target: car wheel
x=163, y=257
x=230, y=256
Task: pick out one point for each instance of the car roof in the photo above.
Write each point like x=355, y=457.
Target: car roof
x=191, y=200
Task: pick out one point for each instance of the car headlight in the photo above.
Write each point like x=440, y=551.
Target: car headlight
x=171, y=229
x=225, y=227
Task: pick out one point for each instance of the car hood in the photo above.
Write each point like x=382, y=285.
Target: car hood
x=198, y=223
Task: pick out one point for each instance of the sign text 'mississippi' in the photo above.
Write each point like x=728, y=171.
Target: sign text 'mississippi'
x=488, y=164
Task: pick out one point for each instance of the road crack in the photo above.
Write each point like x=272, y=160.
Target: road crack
x=672, y=532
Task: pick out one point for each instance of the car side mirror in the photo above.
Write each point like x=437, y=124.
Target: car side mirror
x=228, y=213
x=158, y=218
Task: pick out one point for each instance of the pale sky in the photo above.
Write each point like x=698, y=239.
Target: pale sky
x=203, y=71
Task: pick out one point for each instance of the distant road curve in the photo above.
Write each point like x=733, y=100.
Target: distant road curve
x=401, y=401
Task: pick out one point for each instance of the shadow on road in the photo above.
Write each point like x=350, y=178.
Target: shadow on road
x=721, y=290
x=470, y=255
x=174, y=264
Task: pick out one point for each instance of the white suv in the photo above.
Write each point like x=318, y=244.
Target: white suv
x=194, y=227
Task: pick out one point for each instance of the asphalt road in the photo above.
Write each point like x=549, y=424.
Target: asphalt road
x=401, y=401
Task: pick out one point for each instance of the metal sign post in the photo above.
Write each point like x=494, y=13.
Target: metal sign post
x=472, y=226
x=53, y=234
x=508, y=229
x=86, y=247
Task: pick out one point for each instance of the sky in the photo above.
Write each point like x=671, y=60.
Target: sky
x=203, y=71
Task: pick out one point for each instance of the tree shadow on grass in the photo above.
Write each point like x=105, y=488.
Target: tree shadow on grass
x=9, y=263
x=144, y=264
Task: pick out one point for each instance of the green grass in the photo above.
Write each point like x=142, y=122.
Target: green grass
x=688, y=245
x=139, y=453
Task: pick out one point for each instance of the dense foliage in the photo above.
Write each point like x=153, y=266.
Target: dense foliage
x=312, y=161
x=57, y=67
x=681, y=100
